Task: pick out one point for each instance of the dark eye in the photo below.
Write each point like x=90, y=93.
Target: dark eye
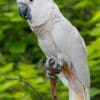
x=31, y=0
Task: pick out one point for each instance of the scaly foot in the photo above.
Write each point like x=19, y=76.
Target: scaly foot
x=53, y=63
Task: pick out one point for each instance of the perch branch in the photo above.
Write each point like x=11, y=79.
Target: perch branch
x=24, y=81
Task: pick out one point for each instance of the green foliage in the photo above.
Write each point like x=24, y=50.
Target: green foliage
x=21, y=57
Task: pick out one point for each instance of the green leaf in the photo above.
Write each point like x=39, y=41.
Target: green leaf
x=7, y=67
x=94, y=92
x=16, y=47
x=95, y=18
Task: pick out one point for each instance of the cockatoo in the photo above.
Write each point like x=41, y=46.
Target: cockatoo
x=59, y=40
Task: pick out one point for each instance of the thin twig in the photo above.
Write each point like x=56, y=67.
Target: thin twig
x=24, y=81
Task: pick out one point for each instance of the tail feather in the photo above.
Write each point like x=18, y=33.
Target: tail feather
x=77, y=90
x=74, y=96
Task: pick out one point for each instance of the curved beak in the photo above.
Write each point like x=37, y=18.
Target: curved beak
x=24, y=11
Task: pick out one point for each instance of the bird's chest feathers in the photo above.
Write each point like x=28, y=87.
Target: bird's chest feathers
x=47, y=43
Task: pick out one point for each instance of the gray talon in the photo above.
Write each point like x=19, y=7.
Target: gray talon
x=52, y=62
x=49, y=75
x=58, y=68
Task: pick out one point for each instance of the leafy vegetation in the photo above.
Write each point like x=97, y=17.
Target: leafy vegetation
x=21, y=57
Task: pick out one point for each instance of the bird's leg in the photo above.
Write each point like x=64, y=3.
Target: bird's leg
x=52, y=63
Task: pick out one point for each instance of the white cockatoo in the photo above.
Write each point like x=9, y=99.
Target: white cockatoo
x=60, y=40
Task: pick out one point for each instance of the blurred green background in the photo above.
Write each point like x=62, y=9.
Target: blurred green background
x=21, y=57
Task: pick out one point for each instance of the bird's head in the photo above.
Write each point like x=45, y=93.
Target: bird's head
x=35, y=11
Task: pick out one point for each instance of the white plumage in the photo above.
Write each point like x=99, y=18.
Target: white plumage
x=58, y=37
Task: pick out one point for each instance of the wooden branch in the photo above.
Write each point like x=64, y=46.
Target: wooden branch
x=53, y=84
x=24, y=81
x=53, y=89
